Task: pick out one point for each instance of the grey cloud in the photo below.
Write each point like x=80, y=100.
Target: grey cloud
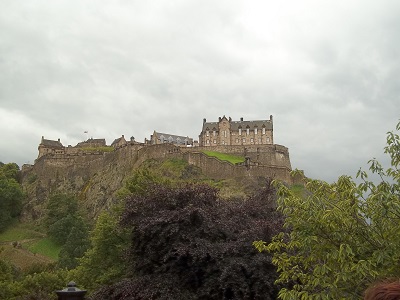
x=328, y=73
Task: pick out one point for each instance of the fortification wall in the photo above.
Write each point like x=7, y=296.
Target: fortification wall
x=265, y=160
x=215, y=168
x=268, y=155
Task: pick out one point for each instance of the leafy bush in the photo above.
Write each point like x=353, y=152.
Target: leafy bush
x=342, y=236
x=189, y=244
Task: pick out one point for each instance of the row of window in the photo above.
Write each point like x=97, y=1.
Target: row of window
x=237, y=141
x=240, y=132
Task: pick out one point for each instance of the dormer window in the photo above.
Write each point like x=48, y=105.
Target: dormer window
x=240, y=131
x=214, y=133
x=263, y=130
x=255, y=130
x=207, y=133
x=248, y=131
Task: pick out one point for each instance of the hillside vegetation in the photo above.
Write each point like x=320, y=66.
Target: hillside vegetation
x=225, y=157
x=94, y=250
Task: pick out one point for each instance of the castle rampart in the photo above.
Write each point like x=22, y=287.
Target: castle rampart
x=262, y=160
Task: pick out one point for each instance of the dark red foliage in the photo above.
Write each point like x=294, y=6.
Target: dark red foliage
x=189, y=244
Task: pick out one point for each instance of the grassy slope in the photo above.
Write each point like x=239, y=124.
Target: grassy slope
x=36, y=248
x=226, y=157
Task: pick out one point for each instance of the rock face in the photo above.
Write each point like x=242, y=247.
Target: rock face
x=95, y=177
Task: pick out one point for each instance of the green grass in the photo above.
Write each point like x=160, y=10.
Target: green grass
x=226, y=157
x=174, y=166
x=45, y=247
x=98, y=149
x=17, y=232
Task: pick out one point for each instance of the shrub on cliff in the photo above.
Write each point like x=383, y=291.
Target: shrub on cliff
x=189, y=244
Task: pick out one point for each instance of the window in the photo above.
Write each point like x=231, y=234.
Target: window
x=207, y=133
x=267, y=139
x=248, y=131
x=223, y=142
x=208, y=142
x=215, y=141
x=259, y=141
x=224, y=133
x=240, y=131
x=255, y=130
x=251, y=140
x=237, y=141
x=244, y=141
x=214, y=132
x=263, y=130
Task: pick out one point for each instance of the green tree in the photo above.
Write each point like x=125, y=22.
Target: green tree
x=59, y=207
x=11, y=194
x=67, y=228
x=76, y=244
x=103, y=263
x=341, y=236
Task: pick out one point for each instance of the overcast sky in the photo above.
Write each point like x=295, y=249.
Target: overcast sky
x=328, y=72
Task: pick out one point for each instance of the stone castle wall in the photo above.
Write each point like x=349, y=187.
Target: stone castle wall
x=265, y=160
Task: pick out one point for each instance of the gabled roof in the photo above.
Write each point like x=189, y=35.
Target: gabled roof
x=116, y=141
x=51, y=143
x=210, y=125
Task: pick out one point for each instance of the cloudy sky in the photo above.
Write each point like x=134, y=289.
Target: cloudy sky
x=328, y=71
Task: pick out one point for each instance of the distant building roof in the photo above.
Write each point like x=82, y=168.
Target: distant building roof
x=175, y=139
x=51, y=143
x=92, y=141
x=119, y=140
x=235, y=125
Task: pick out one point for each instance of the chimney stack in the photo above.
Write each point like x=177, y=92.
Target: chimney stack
x=241, y=119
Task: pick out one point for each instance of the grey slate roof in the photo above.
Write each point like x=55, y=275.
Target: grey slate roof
x=175, y=139
x=236, y=124
x=51, y=144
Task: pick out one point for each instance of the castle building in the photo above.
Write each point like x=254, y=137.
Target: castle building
x=119, y=142
x=92, y=143
x=162, y=138
x=228, y=132
x=50, y=147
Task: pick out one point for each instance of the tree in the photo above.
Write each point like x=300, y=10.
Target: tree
x=11, y=194
x=75, y=245
x=341, y=236
x=67, y=228
x=59, y=207
x=103, y=263
x=187, y=243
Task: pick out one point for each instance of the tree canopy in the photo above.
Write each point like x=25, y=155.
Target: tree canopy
x=340, y=237
x=11, y=194
x=66, y=227
x=189, y=244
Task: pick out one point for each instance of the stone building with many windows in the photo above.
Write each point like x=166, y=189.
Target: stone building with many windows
x=236, y=133
x=162, y=138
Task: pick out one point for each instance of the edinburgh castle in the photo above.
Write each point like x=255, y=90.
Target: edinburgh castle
x=98, y=170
